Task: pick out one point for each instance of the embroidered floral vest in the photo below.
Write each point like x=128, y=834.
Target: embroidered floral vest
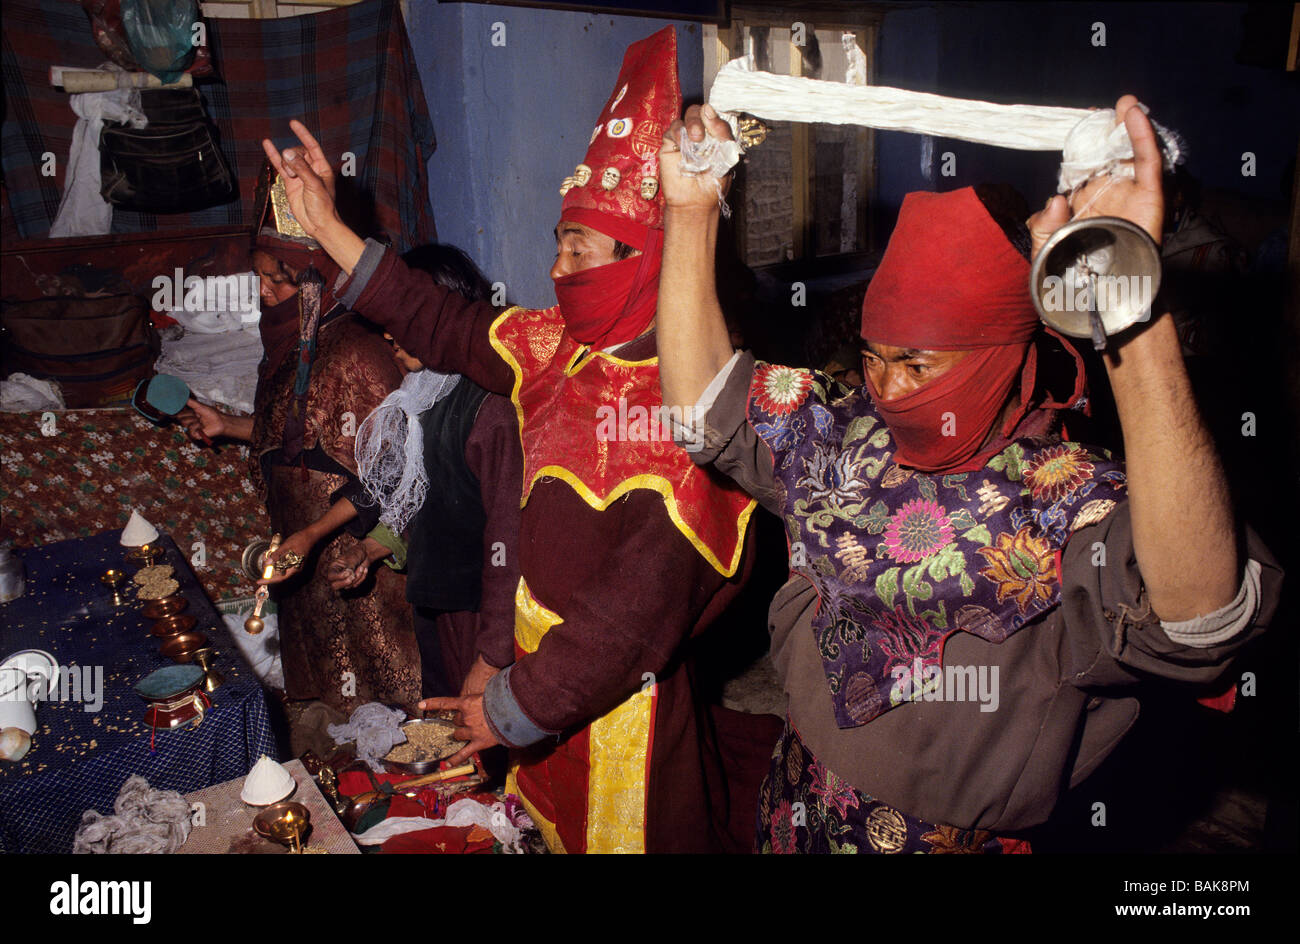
x=903, y=559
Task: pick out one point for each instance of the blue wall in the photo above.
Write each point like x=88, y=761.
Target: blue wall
x=513, y=121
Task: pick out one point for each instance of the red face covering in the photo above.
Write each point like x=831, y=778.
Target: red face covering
x=613, y=303
x=940, y=426
x=951, y=281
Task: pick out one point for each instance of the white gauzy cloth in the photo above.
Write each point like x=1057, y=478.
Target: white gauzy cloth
x=376, y=731
x=390, y=446
x=1091, y=145
x=83, y=212
x=144, y=821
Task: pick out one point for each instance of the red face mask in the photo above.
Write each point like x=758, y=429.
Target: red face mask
x=613, y=303
x=940, y=426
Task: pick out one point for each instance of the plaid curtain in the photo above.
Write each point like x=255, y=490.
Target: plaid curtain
x=348, y=74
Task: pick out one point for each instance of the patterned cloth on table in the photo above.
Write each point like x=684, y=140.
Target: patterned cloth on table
x=804, y=807
x=349, y=74
x=79, y=758
x=94, y=466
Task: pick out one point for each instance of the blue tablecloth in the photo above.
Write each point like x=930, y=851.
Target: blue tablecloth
x=80, y=758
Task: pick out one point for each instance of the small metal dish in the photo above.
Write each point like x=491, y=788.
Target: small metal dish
x=167, y=606
x=171, y=625
x=182, y=646
x=429, y=764
x=285, y=823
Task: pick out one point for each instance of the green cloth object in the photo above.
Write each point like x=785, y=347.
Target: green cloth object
x=385, y=536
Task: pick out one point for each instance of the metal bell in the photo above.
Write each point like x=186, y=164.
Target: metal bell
x=1095, y=277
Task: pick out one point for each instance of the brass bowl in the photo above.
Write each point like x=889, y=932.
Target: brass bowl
x=285, y=822
x=173, y=625
x=167, y=606
x=182, y=646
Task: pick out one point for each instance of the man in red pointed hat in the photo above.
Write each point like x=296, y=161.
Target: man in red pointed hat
x=972, y=596
x=627, y=548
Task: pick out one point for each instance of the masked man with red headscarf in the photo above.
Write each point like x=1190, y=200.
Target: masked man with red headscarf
x=972, y=596
x=626, y=548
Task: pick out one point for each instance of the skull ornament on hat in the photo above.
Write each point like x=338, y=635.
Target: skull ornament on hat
x=615, y=189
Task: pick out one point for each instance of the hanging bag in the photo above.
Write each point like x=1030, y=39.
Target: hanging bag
x=173, y=165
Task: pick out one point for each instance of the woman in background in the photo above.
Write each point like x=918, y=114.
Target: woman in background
x=322, y=374
x=441, y=468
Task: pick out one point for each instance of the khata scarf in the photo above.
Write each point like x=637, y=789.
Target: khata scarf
x=390, y=447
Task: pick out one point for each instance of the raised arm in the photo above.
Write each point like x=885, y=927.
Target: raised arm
x=1185, y=536
x=444, y=330
x=692, y=334
x=309, y=185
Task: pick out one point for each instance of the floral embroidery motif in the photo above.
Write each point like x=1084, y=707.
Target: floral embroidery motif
x=778, y=390
x=782, y=826
x=834, y=793
x=950, y=840
x=904, y=637
x=919, y=530
x=1057, y=472
x=831, y=478
x=1023, y=568
x=893, y=552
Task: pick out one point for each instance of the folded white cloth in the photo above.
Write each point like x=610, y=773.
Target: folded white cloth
x=20, y=393
x=83, y=212
x=220, y=368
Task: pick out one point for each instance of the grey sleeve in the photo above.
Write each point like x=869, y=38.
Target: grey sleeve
x=1112, y=636
x=504, y=716
x=352, y=286
x=723, y=438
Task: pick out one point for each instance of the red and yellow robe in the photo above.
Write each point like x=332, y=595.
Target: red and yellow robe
x=626, y=551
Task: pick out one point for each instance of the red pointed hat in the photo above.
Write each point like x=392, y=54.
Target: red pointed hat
x=615, y=189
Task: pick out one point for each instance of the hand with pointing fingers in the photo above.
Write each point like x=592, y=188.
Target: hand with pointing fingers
x=309, y=181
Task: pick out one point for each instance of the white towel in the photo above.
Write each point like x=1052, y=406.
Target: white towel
x=83, y=212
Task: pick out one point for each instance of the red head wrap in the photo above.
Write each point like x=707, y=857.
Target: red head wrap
x=615, y=191
x=950, y=280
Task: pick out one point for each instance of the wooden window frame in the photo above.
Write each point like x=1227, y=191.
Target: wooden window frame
x=724, y=43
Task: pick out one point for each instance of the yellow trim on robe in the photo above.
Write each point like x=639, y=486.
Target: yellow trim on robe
x=509, y=358
x=618, y=753
x=656, y=483
x=532, y=620
x=550, y=834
